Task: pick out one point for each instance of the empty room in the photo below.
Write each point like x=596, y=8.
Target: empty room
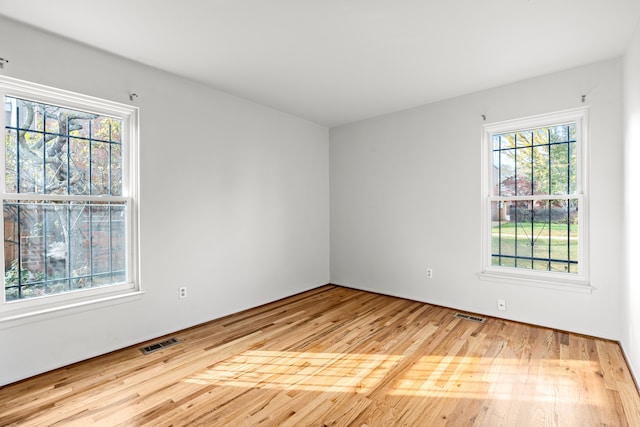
x=314, y=213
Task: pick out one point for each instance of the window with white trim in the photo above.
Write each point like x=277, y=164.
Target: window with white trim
x=68, y=191
x=534, y=184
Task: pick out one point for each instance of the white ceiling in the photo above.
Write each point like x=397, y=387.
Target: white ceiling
x=338, y=61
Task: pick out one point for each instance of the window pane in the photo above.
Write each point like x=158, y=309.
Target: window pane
x=509, y=262
x=116, y=170
x=560, y=169
x=497, y=217
x=57, y=143
x=540, y=136
x=29, y=114
x=30, y=166
x=10, y=112
x=564, y=243
x=542, y=229
x=562, y=267
x=495, y=260
x=79, y=165
x=55, y=247
x=559, y=133
x=504, y=141
x=503, y=237
x=106, y=129
x=505, y=164
x=573, y=168
x=507, y=140
x=523, y=232
x=524, y=171
x=57, y=167
x=524, y=139
x=572, y=132
x=541, y=169
x=100, y=239
x=118, y=241
x=495, y=141
x=573, y=232
x=55, y=217
x=538, y=235
x=24, y=251
x=52, y=125
x=80, y=250
x=116, y=131
x=11, y=166
x=100, y=167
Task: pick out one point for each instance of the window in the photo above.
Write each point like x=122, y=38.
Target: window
x=534, y=199
x=68, y=196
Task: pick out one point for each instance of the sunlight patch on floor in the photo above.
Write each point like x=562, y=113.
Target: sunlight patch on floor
x=498, y=379
x=306, y=371
x=432, y=376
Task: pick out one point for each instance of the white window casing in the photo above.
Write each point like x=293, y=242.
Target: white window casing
x=579, y=281
x=23, y=309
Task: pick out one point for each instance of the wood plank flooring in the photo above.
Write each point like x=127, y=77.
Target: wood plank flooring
x=340, y=357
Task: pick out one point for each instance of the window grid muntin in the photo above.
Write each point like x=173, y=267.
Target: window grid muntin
x=571, y=129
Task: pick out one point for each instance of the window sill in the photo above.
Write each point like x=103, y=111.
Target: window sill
x=12, y=318
x=578, y=286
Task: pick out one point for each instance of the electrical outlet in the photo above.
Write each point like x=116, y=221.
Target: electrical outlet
x=429, y=273
x=182, y=292
x=502, y=305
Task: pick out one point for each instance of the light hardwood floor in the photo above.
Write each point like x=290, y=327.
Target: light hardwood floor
x=337, y=356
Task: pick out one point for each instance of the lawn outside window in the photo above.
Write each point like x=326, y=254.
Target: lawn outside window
x=69, y=199
x=535, y=212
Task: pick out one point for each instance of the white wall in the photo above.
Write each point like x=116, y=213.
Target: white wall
x=631, y=294
x=405, y=196
x=234, y=204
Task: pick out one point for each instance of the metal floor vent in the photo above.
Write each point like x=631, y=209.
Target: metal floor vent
x=159, y=346
x=468, y=317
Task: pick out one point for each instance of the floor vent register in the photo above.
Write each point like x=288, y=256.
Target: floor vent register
x=468, y=317
x=159, y=346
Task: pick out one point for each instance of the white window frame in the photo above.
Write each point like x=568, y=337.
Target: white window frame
x=557, y=280
x=23, y=309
